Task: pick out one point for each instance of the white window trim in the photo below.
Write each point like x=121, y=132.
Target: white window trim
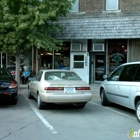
x=117, y=6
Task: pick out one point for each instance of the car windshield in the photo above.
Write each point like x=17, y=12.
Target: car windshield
x=5, y=75
x=61, y=76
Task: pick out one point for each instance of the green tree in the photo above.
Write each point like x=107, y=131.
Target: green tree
x=27, y=23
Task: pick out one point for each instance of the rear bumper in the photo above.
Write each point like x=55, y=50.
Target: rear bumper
x=64, y=98
x=9, y=94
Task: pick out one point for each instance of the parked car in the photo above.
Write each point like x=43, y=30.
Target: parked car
x=12, y=69
x=66, y=68
x=8, y=86
x=122, y=87
x=59, y=86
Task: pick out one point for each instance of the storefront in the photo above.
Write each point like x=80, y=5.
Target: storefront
x=52, y=60
x=106, y=58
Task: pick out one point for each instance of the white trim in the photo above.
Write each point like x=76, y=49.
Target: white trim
x=96, y=49
x=76, y=47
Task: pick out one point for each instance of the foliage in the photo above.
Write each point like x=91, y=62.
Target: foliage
x=27, y=23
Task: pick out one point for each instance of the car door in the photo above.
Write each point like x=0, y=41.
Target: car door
x=135, y=88
x=111, y=84
x=123, y=86
x=35, y=83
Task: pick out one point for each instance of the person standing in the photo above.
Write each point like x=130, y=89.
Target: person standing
x=61, y=65
x=25, y=75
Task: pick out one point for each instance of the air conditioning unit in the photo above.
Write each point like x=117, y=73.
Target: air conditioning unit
x=98, y=47
x=76, y=47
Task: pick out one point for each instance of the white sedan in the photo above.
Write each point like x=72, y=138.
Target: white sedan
x=59, y=86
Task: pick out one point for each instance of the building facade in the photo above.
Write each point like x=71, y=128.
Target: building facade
x=105, y=32
x=99, y=36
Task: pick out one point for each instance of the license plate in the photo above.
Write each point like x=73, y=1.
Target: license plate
x=69, y=90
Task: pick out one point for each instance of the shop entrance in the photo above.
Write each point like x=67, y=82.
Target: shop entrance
x=99, y=67
x=79, y=64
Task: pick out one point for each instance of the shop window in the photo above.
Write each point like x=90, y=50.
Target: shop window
x=117, y=53
x=10, y=59
x=112, y=4
x=52, y=60
x=0, y=60
x=75, y=7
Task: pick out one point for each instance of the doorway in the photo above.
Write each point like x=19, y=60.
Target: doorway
x=79, y=64
x=97, y=67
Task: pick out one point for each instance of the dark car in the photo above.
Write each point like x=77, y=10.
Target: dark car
x=8, y=87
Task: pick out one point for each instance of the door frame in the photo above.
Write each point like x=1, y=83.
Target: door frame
x=92, y=66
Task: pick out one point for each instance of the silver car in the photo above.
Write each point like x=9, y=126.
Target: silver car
x=122, y=87
x=59, y=86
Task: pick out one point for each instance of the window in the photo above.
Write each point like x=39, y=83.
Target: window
x=78, y=61
x=137, y=76
x=116, y=74
x=128, y=73
x=75, y=7
x=112, y=4
x=38, y=76
x=117, y=53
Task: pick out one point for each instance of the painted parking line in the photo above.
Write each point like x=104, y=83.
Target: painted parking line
x=48, y=125
x=123, y=114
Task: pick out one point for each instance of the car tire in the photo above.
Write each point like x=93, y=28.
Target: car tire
x=104, y=100
x=14, y=101
x=40, y=104
x=138, y=111
x=80, y=105
x=29, y=94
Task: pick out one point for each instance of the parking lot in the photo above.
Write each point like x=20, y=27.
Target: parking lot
x=65, y=122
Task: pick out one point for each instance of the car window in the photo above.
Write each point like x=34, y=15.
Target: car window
x=38, y=76
x=61, y=76
x=128, y=73
x=5, y=75
x=116, y=74
x=137, y=76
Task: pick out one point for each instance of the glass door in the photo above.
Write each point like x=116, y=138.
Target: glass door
x=99, y=67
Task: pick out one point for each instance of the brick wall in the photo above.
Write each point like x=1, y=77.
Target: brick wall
x=130, y=5
x=135, y=54
x=98, y=6
x=91, y=6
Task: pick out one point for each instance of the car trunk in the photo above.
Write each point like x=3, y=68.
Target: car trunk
x=67, y=87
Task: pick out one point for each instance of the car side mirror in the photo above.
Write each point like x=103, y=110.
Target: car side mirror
x=105, y=77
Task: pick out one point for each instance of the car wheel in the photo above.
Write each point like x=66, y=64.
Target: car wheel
x=104, y=100
x=29, y=94
x=40, y=104
x=138, y=111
